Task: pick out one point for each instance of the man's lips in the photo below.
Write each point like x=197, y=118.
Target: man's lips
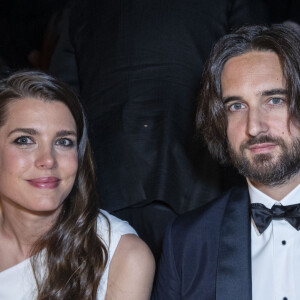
x=45, y=182
x=262, y=148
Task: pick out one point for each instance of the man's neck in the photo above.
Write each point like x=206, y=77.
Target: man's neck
x=278, y=192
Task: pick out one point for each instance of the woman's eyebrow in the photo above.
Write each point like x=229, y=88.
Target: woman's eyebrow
x=30, y=131
x=66, y=132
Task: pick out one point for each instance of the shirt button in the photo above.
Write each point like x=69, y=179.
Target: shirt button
x=284, y=243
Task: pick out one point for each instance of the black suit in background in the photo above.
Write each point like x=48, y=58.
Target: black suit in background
x=138, y=65
x=281, y=11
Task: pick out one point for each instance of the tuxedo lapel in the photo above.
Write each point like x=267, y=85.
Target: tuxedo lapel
x=234, y=259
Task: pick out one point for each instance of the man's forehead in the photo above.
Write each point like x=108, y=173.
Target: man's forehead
x=251, y=57
x=254, y=72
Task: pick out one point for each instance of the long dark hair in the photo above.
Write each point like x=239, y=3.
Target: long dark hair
x=211, y=120
x=75, y=257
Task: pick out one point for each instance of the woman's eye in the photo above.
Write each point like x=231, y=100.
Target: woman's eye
x=276, y=101
x=65, y=142
x=23, y=140
x=236, y=106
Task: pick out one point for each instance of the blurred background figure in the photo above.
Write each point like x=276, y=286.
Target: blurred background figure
x=287, y=12
x=28, y=32
x=282, y=11
x=137, y=66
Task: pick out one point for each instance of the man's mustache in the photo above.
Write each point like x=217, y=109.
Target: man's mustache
x=260, y=140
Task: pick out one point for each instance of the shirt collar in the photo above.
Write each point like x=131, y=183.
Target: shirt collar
x=256, y=196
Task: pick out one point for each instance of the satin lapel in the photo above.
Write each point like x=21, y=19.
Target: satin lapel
x=234, y=260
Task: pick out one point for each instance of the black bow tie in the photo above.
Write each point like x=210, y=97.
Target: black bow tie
x=263, y=216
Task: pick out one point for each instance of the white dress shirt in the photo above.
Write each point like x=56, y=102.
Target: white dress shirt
x=275, y=253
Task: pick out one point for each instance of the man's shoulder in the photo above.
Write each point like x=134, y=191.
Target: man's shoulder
x=207, y=218
x=191, y=249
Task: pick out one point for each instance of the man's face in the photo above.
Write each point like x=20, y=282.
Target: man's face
x=263, y=144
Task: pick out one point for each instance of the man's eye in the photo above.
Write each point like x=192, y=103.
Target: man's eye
x=236, y=106
x=23, y=140
x=65, y=142
x=276, y=101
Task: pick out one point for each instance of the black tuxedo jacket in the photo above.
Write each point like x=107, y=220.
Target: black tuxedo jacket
x=207, y=252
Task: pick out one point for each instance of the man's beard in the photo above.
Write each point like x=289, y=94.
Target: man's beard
x=268, y=168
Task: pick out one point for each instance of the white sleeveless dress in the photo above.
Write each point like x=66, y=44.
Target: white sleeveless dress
x=18, y=283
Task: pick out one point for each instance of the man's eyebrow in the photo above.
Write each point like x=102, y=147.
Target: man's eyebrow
x=264, y=93
x=231, y=98
x=274, y=92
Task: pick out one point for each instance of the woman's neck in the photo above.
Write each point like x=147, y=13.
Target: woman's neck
x=21, y=228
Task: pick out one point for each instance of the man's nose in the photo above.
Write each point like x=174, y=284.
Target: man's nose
x=256, y=122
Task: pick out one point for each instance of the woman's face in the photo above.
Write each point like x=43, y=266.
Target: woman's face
x=38, y=155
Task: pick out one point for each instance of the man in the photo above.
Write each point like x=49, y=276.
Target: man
x=249, y=112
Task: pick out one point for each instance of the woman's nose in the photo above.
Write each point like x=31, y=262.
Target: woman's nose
x=46, y=158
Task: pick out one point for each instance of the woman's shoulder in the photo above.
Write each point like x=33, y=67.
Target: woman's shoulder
x=110, y=228
x=131, y=269
x=130, y=261
x=109, y=222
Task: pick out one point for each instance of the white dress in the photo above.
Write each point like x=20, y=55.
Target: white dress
x=18, y=283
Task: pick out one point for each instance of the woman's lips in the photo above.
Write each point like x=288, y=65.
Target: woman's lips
x=262, y=148
x=45, y=182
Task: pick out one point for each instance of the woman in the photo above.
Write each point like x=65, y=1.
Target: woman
x=54, y=242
